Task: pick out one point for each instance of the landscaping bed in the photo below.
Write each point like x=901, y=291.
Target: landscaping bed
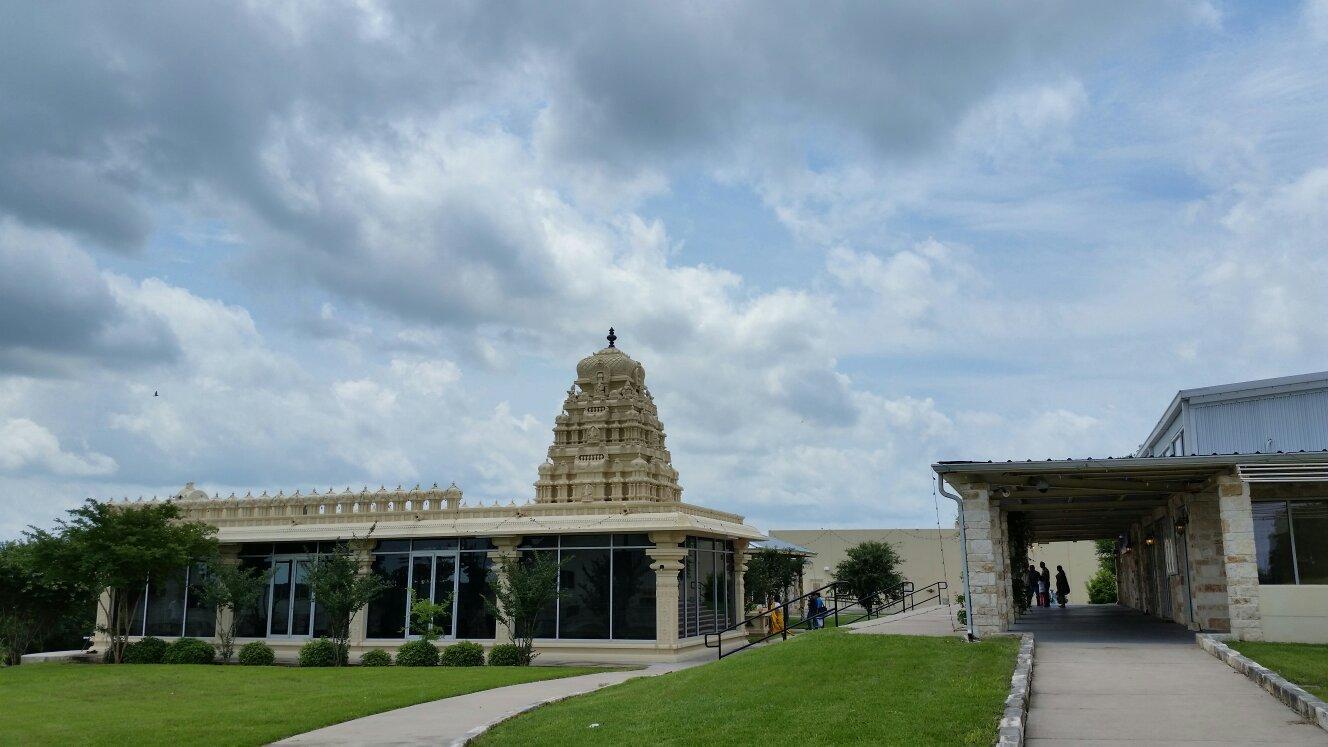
x=1305, y=664
x=827, y=688
x=225, y=705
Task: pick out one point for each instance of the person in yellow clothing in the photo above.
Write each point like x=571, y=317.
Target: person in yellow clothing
x=776, y=617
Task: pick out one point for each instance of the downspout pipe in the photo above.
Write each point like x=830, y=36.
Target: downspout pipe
x=963, y=551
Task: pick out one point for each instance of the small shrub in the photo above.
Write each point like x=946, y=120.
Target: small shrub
x=1102, y=587
x=319, y=652
x=189, y=651
x=506, y=655
x=417, y=654
x=257, y=654
x=150, y=650
x=376, y=658
x=463, y=654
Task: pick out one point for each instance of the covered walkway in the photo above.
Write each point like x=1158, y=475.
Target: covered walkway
x=1107, y=674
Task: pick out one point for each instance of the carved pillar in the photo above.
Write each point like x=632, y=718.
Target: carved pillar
x=740, y=559
x=359, y=622
x=505, y=548
x=666, y=558
x=100, y=640
x=227, y=555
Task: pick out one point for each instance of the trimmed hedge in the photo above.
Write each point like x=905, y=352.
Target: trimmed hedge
x=189, y=651
x=376, y=658
x=463, y=654
x=319, y=652
x=506, y=655
x=257, y=654
x=417, y=654
x=150, y=650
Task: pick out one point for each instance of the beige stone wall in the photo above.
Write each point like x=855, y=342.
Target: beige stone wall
x=920, y=550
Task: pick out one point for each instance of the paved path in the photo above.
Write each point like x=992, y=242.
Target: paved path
x=1110, y=675
x=935, y=620
x=452, y=721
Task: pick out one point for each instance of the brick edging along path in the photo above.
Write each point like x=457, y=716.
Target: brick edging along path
x=1014, y=722
x=1294, y=696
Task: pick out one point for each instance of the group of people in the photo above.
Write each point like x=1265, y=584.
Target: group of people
x=774, y=613
x=1039, y=586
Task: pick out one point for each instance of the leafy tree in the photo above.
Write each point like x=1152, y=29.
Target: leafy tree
x=427, y=618
x=34, y=601
x=340, y=591
x=116, y=549
x=869, y=570
x=529, y=584
x=1102, y=586
x=232, y=589
x=1020, y=540
x=770, y=573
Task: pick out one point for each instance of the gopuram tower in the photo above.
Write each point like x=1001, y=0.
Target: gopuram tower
x=608, y=443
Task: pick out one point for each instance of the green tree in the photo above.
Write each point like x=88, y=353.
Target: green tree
x=869, y=570
x=231, y=589
x=113, y=549
x=770, y=573
x=34, y=601
x=527, y=585
x=1020, y=540
x=340, y=591
x=1102, y=586
x=430, y=620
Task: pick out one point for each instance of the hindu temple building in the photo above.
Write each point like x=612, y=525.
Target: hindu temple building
x=645, y=576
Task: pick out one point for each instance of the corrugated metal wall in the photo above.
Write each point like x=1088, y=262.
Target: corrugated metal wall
x=1293, y=422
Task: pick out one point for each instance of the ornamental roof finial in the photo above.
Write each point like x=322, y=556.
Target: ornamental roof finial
x=612, y=337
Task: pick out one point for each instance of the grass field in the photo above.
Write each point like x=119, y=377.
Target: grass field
x=90, y=704
x=826, y=688
x=1305, y=664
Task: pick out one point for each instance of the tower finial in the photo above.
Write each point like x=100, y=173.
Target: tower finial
x=612, y=337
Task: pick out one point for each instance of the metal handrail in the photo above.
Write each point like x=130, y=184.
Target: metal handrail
x=904, y=594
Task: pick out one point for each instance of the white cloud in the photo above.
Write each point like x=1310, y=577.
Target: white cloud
x=25, y=444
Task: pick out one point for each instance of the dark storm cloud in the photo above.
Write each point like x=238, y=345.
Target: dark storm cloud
x=57, y=313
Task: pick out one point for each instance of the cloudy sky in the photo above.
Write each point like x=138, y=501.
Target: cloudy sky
x=362, y=243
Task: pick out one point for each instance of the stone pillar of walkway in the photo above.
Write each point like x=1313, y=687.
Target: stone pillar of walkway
x=984, y=581
x=1239, y=557
x=666, y=558
x=505, y=547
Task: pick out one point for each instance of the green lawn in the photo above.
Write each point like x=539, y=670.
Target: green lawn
x=1305, y=664
x=825, y=688
x=231, y=705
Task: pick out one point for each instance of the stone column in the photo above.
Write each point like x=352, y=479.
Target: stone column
x=100, y=639
x=983, y=583
x=1239, y=557
x=227, y=555
x=505, y=548
x=359, y=622
x=740, y=559
x=666, y=558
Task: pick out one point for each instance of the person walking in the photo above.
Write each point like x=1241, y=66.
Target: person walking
x=1062, y=586
x=1032, y=578
x=818, y=611
x=1044, y=589
x=776, y=616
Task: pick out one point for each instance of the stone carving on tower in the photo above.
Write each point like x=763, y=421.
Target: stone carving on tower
x=608, y=443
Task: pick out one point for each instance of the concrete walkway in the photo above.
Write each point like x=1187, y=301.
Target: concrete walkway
x=935, y=620
x=451, y=721
x=1107, y=674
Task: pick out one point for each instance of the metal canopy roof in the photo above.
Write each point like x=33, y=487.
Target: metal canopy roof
x=1078, y=499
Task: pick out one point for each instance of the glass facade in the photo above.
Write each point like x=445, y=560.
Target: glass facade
x=433, y=569
x=706, y=588
x=172, y=607
x=1291, y=540
x=607, y=585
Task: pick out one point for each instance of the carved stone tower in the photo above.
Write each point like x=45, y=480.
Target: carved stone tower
x=608, y=443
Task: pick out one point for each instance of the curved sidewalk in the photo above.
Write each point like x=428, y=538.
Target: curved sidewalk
x=452, y=721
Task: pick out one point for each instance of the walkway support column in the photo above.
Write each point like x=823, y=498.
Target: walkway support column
x=1239, y=557
x=666, y=558
x=505, y=547
x=983, y=567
